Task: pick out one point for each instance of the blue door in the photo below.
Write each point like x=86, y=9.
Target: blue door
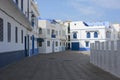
x=75, y=46
x=33, y=44
x=26, y=44
x=53, y=46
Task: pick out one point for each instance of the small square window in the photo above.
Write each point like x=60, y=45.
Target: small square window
x=40, y=44
x=87, y=44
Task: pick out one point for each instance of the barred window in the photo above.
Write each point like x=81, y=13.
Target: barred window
x=21, y=36
x=9, y=31
x=1, y=29
x=16, y=34
x=56, y=43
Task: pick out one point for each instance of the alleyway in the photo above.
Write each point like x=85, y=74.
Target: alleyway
x=68, y=65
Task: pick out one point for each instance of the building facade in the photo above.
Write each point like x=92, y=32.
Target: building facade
x=82, y=34
x=115, y=31
x=52, y=36
x=16, y=30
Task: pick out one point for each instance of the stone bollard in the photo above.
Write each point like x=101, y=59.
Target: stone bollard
x=91, y=53
x=118, y=59
x=96, y=53
x=99, y=54
x=115, y=71
x=103, y=56
x=107, y=57
x=112, y=56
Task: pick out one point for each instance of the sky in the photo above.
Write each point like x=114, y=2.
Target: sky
x=80, y=10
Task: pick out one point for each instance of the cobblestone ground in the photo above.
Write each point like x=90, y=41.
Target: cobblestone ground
x=68, y=65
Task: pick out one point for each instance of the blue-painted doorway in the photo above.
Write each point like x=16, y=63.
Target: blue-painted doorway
x=75, y=46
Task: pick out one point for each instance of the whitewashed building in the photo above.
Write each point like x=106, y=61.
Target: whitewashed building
x=82, y=34
x=67, y=26
x=115, y=31
x=16, y=28
x=52, y=36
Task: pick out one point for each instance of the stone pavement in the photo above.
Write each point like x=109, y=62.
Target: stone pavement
x=68, y=65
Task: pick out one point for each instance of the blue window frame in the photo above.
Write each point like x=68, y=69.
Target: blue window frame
x=87, y=43
x=95, y=34
x=75, y=35
x=88, y=34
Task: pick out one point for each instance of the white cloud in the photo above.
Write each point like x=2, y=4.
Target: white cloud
x=111, y=4
x=94, y=7
x=84, y=7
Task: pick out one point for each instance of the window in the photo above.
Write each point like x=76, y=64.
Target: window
x=87, y=44
x=21, y=36
x=53, y=32
x=32, y=22
x=1, y=29
x=68, y=27
x=48, y=43
x=95, y=34
x=108, y=34
x=40, y=44
x=68, y=37
x=9, y=31
x=22, y=5
x=60, y=43
x=48, y=31
x=56, y=33
x=75, y=35
x=16, y=34
x=88, y=34
x=32, y=19
x=40, y=30
x=56, y=43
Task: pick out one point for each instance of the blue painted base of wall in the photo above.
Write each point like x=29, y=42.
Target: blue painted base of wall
x=35, y=52
x=10, y=57
x=82, y=49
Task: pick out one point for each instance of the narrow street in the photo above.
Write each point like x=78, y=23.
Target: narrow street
x=68, y=65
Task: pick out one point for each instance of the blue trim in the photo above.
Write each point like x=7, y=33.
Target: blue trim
x=95, y=34
x=53, y=36
x=36, y=51
x=11, y=57
x=32, y=43
x=84, y=49
x=88, y=35
x=75, y=35
x=75, y=46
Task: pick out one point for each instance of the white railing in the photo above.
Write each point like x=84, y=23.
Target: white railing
x=106, y=55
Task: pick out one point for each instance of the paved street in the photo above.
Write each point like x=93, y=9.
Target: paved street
x=68, y=65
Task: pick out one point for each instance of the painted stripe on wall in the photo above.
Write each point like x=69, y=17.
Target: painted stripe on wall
x=84, y=49
x=10, y=57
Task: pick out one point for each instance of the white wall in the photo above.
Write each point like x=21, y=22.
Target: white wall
x=45, y=25
x=82, y=30
x=6, y=46
x=106, y=55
